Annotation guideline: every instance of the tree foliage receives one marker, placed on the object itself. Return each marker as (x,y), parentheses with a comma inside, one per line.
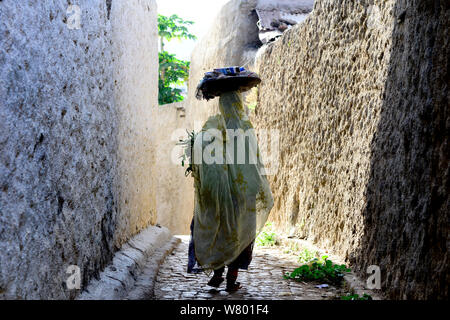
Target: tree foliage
(173,27)
(172,71)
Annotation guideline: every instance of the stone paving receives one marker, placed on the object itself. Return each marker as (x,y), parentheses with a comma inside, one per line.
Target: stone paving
(263,281)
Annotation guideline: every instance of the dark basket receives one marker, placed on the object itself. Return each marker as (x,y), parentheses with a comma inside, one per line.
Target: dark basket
(213,86)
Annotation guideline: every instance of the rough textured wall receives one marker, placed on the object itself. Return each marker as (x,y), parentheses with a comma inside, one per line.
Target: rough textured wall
(322,88)
(407,211)
(174,200)
(135,49)
(62,135)
(359,95)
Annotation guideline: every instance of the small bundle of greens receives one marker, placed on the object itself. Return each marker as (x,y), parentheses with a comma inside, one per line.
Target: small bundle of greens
(188,156)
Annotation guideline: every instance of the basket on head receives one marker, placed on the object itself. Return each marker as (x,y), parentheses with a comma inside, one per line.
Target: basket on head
(222,80)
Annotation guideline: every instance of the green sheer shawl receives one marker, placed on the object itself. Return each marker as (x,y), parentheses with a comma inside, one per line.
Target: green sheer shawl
(232,195)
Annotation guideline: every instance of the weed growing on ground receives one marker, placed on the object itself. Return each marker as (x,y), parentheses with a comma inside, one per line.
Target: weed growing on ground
(355,296)
(322,270)
(307,255)
(267,237)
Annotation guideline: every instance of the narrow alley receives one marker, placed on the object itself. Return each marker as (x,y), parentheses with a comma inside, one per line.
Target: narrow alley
(338,111)
(263,281)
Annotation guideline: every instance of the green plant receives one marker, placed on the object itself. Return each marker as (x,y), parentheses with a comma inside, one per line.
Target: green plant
(307,255)
(267,237)
(173,27)
(355,296)
(172,71)
(322,270)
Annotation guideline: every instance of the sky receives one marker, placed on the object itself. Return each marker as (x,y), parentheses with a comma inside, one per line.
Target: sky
(202,12)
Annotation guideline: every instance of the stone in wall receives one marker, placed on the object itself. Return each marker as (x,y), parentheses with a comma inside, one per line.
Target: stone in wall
(275,17)
(359,95)
(67,116)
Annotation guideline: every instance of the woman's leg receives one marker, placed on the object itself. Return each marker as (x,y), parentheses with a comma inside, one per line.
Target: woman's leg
(241,262)
(217,278)
(232,275)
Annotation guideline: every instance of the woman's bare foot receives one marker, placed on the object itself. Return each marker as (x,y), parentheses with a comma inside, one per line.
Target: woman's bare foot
(233,287)
(215,281)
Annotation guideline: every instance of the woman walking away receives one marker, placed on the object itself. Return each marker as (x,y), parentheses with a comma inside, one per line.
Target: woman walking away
(232,194)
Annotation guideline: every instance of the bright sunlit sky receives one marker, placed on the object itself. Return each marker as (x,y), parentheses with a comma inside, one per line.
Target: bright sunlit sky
(202,12)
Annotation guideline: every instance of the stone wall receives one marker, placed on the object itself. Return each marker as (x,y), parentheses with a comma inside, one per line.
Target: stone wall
(359,92)
(75,161)
(406,214)
(135,49)
(174,191)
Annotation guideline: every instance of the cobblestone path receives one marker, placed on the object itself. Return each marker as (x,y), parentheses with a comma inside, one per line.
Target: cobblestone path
(263,280)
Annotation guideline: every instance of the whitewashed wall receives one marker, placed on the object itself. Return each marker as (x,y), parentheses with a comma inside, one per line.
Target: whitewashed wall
(75,160)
